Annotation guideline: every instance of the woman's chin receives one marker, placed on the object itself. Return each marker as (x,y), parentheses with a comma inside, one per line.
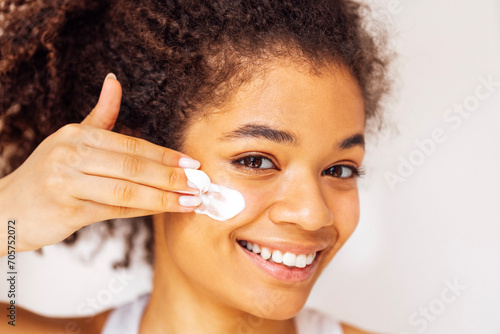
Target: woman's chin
(280,308)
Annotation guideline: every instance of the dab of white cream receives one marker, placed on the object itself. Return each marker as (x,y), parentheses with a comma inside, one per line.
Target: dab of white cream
(217,202)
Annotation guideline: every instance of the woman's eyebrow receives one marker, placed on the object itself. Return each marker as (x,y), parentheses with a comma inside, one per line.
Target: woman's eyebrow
(355,140)
(262,131)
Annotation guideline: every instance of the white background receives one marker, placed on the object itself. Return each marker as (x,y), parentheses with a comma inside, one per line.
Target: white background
(439,226)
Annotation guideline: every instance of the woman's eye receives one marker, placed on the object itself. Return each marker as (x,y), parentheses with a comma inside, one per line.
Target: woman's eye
(253,162)
(260,163)
(343,171)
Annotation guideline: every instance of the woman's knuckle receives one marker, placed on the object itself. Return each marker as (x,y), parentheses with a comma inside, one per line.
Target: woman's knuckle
(66,154)
(70,130)
(132,166)
(123,211)
(163,156)
(123,192)
(131,145)
(164,199)
(173,178)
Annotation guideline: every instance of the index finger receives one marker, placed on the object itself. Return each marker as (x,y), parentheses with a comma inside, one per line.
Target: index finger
(115,142)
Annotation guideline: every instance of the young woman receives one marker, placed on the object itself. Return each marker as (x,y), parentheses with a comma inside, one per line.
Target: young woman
(270,99)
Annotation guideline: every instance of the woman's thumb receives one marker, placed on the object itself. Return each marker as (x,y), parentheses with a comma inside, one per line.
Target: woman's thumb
(106,111)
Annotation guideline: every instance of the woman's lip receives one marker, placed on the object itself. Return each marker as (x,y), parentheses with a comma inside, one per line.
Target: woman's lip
(287,247)
(280,271)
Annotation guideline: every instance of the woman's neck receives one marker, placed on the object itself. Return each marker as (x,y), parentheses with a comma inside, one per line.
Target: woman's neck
(176,313)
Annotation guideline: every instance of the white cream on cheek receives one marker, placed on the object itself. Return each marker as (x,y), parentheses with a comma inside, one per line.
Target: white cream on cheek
(218,202)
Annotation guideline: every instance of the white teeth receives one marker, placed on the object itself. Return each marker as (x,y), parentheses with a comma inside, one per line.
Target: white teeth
(301,261)
(289,259)
(277,257)
(265,253)
(310,258)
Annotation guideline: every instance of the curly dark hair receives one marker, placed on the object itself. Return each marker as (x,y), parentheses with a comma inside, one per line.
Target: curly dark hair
(173,58)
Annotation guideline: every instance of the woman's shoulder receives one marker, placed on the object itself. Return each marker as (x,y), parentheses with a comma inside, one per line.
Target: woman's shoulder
(348,329)
(311,320)
(26,321)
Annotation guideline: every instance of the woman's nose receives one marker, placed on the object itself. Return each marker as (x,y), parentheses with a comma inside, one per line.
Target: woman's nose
(300,201)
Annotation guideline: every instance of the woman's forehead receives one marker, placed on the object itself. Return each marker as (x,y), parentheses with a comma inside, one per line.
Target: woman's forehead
(293,100)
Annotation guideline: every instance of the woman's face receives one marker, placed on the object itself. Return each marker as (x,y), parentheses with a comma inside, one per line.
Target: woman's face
(289,144)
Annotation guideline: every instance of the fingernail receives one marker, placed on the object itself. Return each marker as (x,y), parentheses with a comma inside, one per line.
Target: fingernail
(190,200)
(110,75)
(189,163)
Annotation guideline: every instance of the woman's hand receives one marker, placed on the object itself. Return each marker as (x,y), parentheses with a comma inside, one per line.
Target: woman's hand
(84,173)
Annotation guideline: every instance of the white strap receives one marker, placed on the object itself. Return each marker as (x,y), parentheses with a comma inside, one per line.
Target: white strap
(311,321)
(127,318)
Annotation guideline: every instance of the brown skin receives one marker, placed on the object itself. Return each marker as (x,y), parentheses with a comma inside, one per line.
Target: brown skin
(197,260)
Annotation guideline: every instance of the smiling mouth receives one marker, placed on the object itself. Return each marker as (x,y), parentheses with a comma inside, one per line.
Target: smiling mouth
(287,259)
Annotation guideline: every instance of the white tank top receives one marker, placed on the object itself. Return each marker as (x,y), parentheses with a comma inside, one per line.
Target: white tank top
(127,318)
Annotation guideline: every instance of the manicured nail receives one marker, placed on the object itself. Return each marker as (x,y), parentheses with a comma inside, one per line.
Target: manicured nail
(190,200)
(110,75)
(189,163)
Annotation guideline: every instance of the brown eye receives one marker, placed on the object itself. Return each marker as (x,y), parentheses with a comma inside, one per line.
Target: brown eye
(254,162)
(342,171)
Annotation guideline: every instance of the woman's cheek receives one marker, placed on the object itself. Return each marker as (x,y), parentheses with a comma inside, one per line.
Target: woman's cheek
(345,208)
(257,200)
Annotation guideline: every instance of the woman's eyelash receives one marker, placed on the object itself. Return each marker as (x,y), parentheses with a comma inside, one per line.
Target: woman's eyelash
(256,159)
(251,159)
(356,171)
(360,171)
